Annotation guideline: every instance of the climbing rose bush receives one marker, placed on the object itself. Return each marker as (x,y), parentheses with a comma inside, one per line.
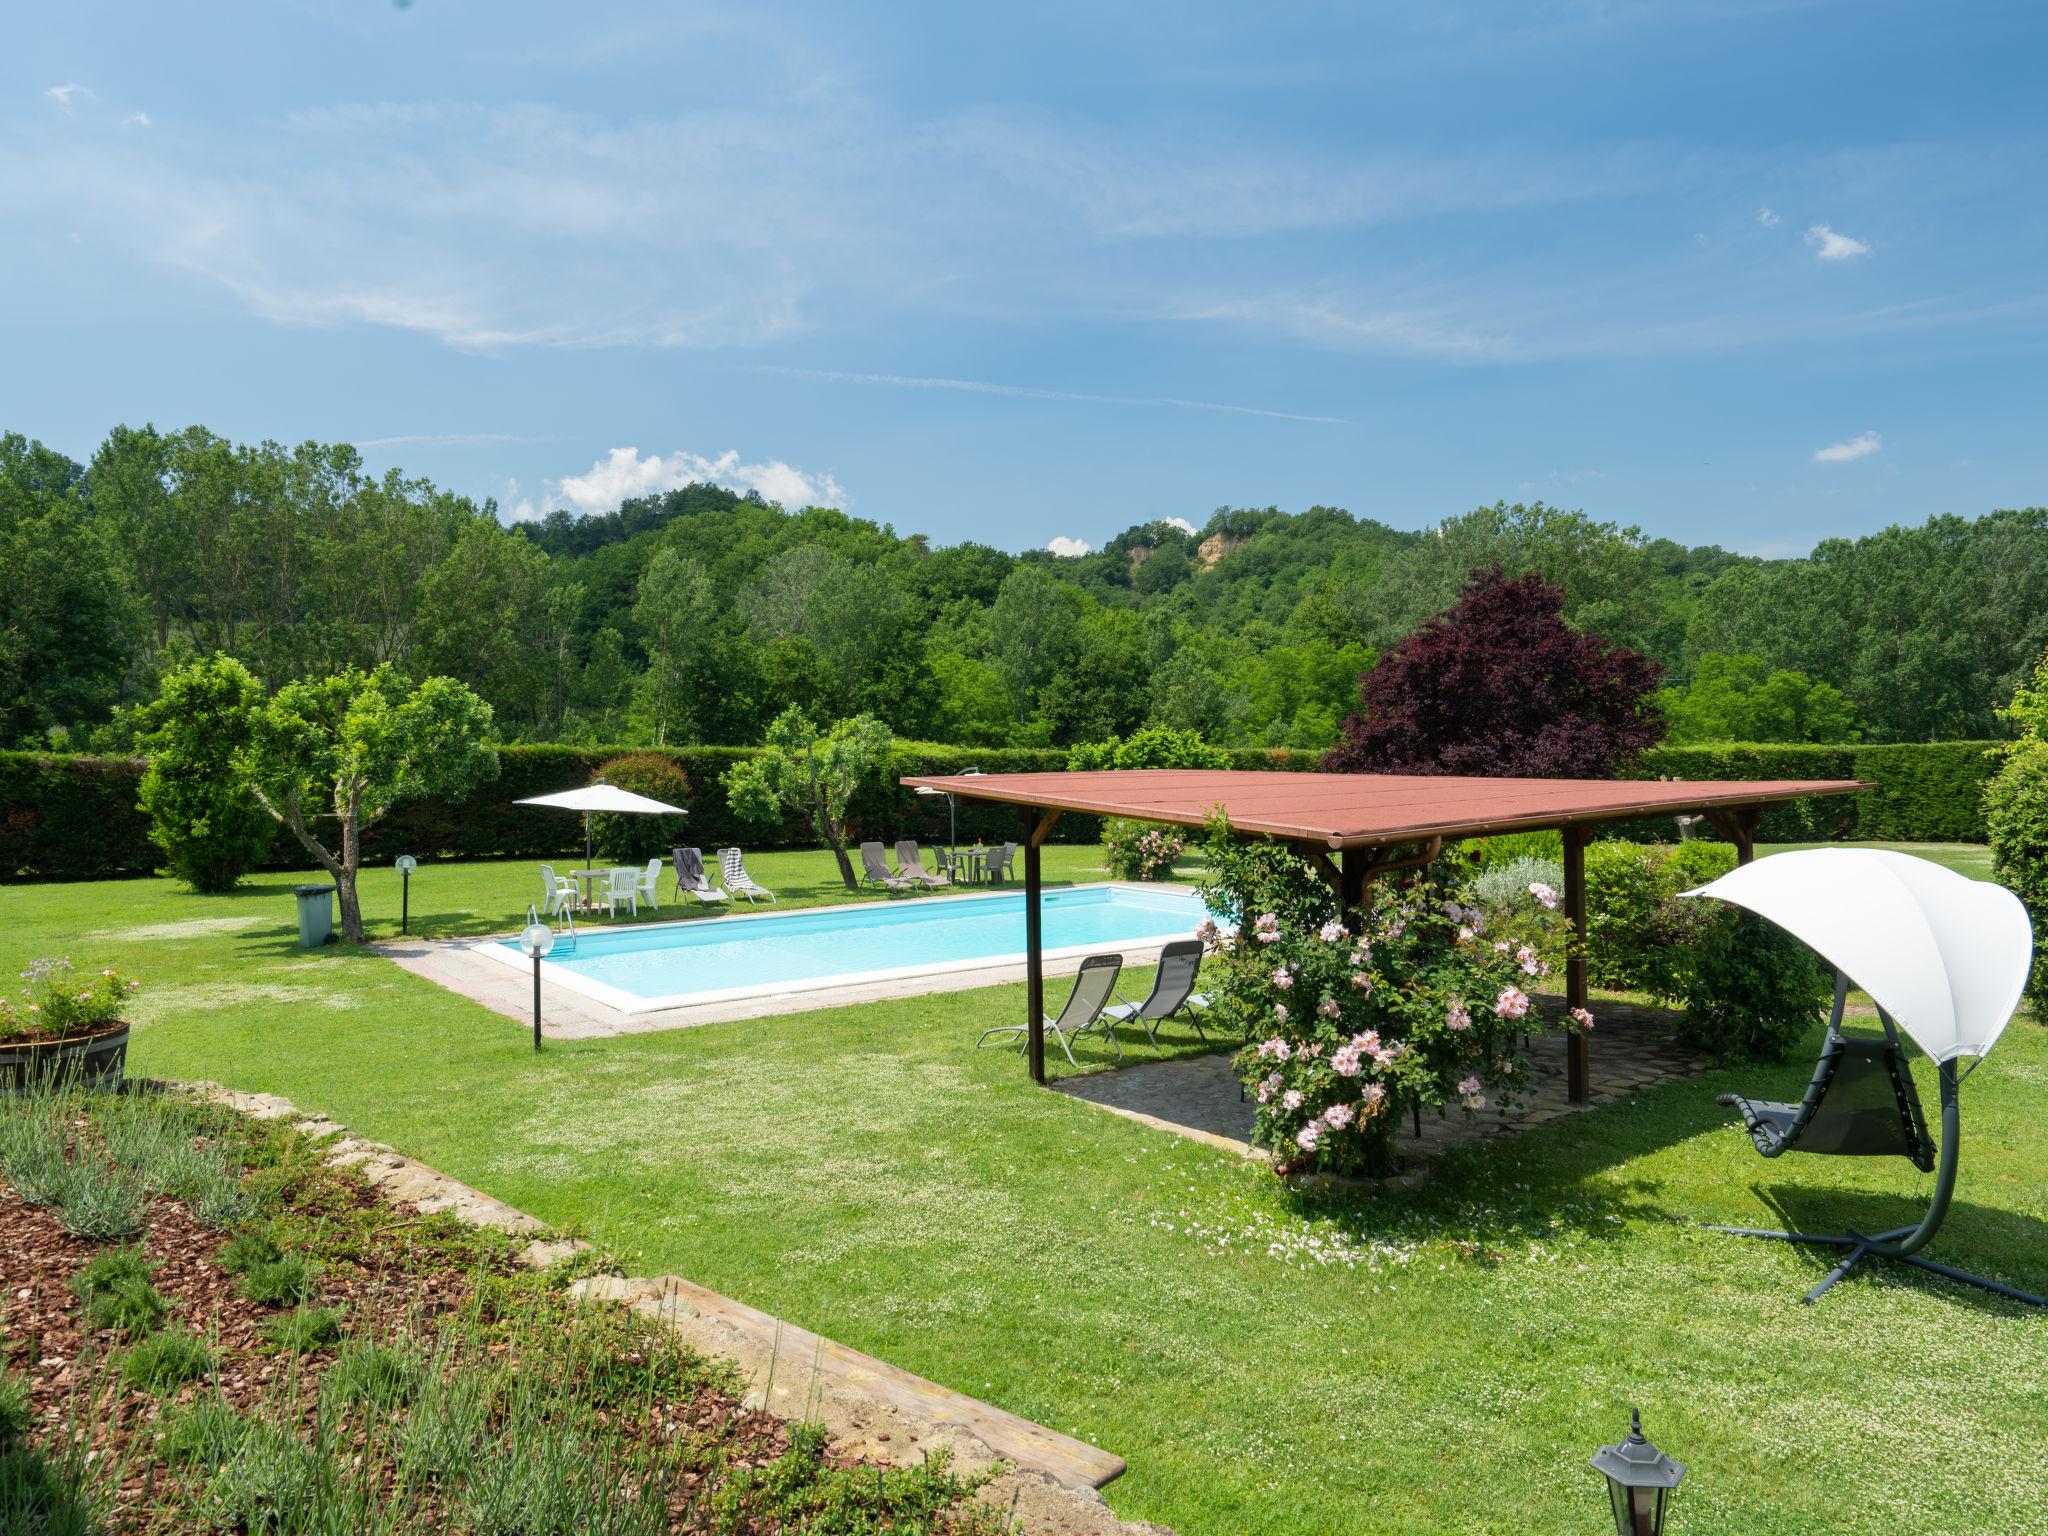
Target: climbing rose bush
(1138,850)
(1347,1028)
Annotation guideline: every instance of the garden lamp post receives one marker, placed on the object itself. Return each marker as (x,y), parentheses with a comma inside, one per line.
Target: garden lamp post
(1639,1480)
(536,939)
(406,865)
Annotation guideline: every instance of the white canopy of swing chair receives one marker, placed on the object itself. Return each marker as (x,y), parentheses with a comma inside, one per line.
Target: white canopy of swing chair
(1946,956)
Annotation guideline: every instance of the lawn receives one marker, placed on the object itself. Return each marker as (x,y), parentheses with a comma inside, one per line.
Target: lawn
(1441,1362)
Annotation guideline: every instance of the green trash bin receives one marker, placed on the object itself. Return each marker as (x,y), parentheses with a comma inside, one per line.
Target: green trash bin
(316,914)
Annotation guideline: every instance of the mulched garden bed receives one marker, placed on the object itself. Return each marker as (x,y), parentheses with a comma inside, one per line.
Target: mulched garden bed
(633,1414)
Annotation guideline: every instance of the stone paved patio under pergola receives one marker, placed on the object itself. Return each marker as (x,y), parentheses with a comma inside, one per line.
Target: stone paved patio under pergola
(1199,1096)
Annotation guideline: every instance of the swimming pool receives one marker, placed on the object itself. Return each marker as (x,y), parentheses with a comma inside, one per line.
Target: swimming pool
(667,965)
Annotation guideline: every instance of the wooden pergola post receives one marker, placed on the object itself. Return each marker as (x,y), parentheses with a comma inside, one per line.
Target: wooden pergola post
(1578,1048)
(1038,826)
(1738,824)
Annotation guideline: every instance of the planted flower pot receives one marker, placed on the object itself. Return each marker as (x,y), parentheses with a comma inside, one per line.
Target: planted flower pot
(94,1059)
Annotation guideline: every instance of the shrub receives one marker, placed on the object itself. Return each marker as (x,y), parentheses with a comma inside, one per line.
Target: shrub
(1153,746)
(1418,1007)
(1504,887)
(17,1410)
(204,1434)
(166,1360)
(303,1329)
(280,1282)
(100,1202)
(251,1246)
(117,1293)
(196,791)
(1626,946)
(801,1490)
(371,1374)
(273,1482)
(1751,991)
(2016,809)
(636,839)
(1141,850)
(32,1150)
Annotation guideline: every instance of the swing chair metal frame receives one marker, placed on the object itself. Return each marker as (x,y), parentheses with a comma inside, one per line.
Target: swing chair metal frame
(1978,936)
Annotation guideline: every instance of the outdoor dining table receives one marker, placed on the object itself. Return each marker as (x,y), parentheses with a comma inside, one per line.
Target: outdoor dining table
(971,862)
(590,881)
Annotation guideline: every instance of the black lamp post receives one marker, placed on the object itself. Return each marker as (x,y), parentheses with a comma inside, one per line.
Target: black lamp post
(1639,1481)
(406,865)
(536,939)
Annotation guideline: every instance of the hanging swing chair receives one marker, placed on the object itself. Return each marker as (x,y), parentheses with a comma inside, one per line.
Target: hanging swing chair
(1945,959)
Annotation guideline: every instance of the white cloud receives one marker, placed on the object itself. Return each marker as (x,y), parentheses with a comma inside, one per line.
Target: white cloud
(135,120)
(1857,447)
(623,474)
(63,94)
(1069,549)
(1179,522)
(1830,246)
(1768,219)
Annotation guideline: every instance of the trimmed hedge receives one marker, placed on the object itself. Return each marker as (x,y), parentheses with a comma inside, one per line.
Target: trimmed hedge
(1924,792)
(75,818)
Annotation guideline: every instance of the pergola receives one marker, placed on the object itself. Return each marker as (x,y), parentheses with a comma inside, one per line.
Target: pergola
(1354,826)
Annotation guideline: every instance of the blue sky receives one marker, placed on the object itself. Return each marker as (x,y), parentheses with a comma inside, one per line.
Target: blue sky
(1738,272)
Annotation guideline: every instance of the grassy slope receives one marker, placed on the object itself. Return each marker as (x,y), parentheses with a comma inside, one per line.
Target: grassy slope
(864,1172)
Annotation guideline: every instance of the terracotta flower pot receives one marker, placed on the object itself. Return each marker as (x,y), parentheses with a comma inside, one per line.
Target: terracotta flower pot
(94,1060)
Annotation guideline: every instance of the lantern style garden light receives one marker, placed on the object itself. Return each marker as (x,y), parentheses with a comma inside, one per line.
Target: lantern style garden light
(406,865)
(1639,1480)
(536,939)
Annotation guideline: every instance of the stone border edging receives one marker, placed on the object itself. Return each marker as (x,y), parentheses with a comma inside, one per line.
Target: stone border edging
(866,1406)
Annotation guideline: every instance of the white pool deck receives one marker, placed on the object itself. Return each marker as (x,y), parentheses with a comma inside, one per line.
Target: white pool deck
(575,1008)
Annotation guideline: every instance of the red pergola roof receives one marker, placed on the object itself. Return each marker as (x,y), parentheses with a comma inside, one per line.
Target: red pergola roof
(1346,810)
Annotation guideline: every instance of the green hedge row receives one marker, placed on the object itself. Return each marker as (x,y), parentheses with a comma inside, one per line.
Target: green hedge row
(74,818)
(1923,792)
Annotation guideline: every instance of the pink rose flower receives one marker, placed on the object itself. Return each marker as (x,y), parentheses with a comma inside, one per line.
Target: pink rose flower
(1283,978)
(1543,894)
(1329,1008)
(1280,1013)
(1583,1017)
(1456,1016)
(1332,932)
(1512,1003)
(1291,1099)
(1307,1137)
(1337,1116)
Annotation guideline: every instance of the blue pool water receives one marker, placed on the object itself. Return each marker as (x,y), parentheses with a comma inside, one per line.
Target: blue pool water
(805,947)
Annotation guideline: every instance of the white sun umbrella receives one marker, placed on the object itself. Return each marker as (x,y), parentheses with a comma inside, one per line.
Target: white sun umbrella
(601,796)
(1946,956)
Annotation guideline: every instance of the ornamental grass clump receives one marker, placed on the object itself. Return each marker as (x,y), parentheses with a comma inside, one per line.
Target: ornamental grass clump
(1417,1002)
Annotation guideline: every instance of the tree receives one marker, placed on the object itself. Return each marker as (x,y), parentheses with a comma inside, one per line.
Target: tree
(1737,698)
(672,615)
(64,616)
(354,744)
(196,790)
(799,770)
(1500,684)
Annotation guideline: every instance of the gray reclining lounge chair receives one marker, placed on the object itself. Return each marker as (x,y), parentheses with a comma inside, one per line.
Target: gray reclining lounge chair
(1083,1010)
(733,867)
(691,879)
(1173,991)
(911,867)
(874,869)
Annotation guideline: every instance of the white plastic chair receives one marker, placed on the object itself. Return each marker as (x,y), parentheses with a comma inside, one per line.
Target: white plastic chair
(621,885)
(561,892)
(645,882)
